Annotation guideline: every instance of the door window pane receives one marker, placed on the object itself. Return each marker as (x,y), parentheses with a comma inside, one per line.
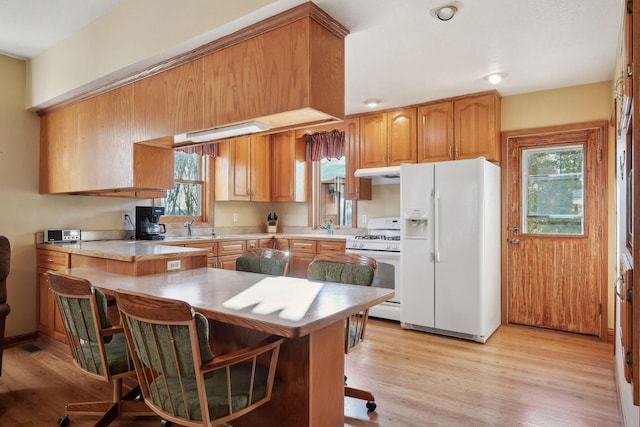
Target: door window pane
(553,191)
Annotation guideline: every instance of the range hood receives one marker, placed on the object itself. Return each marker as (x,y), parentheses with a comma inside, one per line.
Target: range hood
(385,172)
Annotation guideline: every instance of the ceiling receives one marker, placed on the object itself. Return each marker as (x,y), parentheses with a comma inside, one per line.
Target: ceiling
(397,52)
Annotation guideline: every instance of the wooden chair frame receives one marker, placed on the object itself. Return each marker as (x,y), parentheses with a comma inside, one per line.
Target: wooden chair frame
(161,312)
(356,322)
(74,290)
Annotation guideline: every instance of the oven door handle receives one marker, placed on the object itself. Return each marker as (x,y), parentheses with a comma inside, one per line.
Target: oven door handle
(436,226)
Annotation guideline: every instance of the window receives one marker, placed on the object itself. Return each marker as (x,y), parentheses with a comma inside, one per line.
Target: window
(553,190)
(333,207)
(186,199)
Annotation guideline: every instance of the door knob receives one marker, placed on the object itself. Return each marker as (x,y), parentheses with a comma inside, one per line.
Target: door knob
(515,240)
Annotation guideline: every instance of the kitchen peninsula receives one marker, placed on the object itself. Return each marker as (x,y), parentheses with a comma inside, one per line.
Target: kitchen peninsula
(310,369)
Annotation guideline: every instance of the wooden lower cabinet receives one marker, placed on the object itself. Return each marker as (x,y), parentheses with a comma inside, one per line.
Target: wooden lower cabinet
(49,320)
(302,253)
(212,256)
(228,252)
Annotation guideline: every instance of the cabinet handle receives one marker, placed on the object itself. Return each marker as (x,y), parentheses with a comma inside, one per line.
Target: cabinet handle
(456,152)
(450,152)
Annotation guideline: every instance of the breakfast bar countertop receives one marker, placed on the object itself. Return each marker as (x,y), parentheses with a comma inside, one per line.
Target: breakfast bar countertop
(123,250)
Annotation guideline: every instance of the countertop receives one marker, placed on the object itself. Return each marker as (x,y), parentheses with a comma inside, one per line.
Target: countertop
(123,250)
(142,250)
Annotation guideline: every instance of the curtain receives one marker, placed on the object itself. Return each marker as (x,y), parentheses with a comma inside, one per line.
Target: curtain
(210,150)
(325,145)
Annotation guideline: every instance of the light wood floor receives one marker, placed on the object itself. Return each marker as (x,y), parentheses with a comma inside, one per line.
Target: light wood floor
(521,376)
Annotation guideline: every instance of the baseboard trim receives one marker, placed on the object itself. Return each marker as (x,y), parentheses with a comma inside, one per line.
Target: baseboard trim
(20,339)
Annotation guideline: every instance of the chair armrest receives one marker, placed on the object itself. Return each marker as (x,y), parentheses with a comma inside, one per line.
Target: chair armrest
(243,354)
(112,330)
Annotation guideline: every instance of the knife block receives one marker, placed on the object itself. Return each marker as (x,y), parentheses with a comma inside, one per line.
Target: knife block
(272,227)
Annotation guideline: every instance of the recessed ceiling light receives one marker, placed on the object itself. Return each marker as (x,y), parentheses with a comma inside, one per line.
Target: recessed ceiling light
(495,78)
(371,103)
(446,12)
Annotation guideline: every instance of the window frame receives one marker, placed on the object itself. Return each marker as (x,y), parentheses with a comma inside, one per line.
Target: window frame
(315,205)
(205,182)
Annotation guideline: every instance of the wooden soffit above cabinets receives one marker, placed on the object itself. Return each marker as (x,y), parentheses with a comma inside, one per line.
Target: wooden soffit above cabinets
(320,98)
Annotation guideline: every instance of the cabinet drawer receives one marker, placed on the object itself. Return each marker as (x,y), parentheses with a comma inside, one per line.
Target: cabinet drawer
(231,247)
(302,245)
(282,244)
(324,247)
(211,247)
(53,260)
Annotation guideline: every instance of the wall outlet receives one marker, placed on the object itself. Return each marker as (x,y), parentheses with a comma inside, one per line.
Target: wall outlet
(235,217)
(173,265)
(363,219)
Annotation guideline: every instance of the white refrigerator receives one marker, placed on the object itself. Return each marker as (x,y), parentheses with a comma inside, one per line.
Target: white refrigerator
(450,248)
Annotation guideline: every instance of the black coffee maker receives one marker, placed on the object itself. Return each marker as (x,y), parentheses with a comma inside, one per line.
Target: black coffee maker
(148,225)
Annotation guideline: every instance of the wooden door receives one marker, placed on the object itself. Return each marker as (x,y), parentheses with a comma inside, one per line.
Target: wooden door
(289,180)
(556,214)
(435,132)
(477,127)
(59,151)
(373,141)
(401,138)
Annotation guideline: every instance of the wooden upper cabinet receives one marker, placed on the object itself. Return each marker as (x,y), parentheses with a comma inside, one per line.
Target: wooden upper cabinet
(104,132)
(356,188)
(291,74)
(388,138)
(435,132)
(59,151)
(477,127)
(168,103)
(243,169)
(290,172)
(261,168)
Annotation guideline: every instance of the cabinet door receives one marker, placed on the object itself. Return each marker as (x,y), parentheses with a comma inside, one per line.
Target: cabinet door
(282,244)
(356,188)
(373,141)
(240,171)
(104,133)
(228,262)
(435,132)
(59,151)
(289,179)
(477,127)
(261,168)
(299,263)
(45,304)
(401,140)
(324,246)
(168,103)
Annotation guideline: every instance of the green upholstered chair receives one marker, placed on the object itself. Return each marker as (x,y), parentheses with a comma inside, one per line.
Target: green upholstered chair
(181,380)
(356,270)
(98,348)
(264,260)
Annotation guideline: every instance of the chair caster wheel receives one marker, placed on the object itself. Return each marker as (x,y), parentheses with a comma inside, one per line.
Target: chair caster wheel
(166,423)
(63,421)
(371,406)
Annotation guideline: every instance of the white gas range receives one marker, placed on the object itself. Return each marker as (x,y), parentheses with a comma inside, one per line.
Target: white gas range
(382,242)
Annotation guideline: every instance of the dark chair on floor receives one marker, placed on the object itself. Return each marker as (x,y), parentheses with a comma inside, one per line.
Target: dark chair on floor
(264,260)
(356,270)
(181,380)
(5,264)
(98,349)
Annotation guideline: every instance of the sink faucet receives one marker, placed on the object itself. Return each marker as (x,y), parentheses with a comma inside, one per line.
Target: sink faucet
(189,225)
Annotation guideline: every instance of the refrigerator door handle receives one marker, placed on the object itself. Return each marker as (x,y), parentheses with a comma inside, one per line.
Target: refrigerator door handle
(436,226)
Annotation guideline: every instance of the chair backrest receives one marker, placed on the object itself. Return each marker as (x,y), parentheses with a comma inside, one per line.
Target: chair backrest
(343,268)
(264,260)
(96,347)
(179,377)
(346,268)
